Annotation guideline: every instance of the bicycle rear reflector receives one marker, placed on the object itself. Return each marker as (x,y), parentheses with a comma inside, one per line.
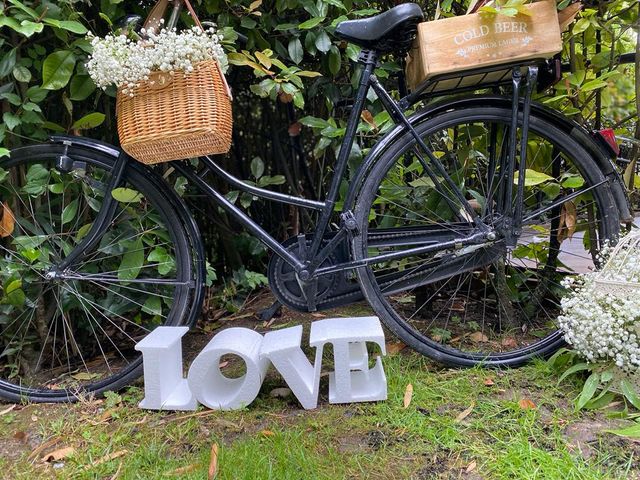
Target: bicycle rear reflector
(609,136)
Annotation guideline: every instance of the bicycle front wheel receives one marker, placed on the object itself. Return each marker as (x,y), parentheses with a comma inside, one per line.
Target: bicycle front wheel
(72,334)
(496,302)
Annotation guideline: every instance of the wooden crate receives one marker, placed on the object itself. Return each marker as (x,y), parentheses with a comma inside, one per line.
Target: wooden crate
(479,40)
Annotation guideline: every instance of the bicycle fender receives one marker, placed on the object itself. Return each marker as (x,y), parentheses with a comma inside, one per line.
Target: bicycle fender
(159,182)
(572,128)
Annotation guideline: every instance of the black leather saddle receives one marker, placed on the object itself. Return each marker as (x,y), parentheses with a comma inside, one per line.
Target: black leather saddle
(391,31)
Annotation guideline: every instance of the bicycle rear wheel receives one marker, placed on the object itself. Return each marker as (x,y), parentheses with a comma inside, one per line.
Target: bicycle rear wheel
(73,334)
(491,303)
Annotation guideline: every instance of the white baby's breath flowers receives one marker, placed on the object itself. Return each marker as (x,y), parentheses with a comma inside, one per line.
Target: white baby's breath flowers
(120,61)
(603,325)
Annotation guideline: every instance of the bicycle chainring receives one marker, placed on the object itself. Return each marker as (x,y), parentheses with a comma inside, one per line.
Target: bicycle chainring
(284,282)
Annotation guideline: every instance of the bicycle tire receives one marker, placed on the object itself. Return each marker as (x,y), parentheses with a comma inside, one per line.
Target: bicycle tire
(388,307)
(109,303)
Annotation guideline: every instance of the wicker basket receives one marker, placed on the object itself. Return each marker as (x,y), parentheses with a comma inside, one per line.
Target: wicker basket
(176,116)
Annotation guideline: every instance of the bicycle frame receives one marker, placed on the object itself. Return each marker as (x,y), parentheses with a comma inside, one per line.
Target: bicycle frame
(309,267)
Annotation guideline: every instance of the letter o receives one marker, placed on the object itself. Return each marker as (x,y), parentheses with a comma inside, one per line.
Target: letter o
(211,387)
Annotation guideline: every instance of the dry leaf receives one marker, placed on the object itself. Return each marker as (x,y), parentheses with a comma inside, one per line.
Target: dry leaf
(42,447)
(107,458)
(408,393)
(526,404)
(58,454)
(21,436)
(509,342)
(394,347)
(117,474)
(267,433)
(478,337)
(471,467)
(285,97)
(213,463)
(7,410)
(223,364)
(318,315)
(464,414)
(457,306)
(489,382)
(183,470)
(368,117)
(7,222)
(294,129)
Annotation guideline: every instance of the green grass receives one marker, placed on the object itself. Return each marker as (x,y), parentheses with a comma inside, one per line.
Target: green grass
(276,439)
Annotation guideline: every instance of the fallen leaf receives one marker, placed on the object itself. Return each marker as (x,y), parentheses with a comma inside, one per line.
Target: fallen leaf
(318,315)
(393,348)
(21,436)
(7,410)
(183,470)
(471,467)
(457,306)
(267,433)
(42,447)
(489,382)
(465,413)
(213,463)
(58,454)
(7,222)
(509,342)
(34,418)
(478,337)
(85,376)
(526,404)
(408,393)
(223,364)
(106,458)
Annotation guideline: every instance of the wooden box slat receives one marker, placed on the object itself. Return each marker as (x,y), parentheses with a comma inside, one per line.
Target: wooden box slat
(480,40)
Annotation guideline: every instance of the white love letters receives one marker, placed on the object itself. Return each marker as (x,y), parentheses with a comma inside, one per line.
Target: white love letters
(351,381)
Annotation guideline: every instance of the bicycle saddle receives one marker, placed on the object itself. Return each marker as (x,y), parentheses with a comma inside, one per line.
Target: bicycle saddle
(393,30)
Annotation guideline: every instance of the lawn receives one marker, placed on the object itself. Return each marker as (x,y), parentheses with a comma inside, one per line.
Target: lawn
(470,424)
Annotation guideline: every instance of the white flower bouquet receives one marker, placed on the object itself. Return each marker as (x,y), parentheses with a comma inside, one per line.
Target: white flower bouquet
(601,321)
(123,62)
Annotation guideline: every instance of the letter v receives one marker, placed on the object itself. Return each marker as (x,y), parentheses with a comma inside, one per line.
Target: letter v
(282,348)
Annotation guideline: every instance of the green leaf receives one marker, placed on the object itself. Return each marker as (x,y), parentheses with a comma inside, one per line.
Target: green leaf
(574,369)
(8,63)
(14,285)
(164,260)
(29,11)
(295,50)
(69,25)
(593,85)
(126,195)
(153,305)
(11,120)
(57,69)
(532,178)
(334,60)
(69,212)
(589,389)
(581,25)
(314,122)
(81,87)
(82,231)
(257,167)
(630,393)
(631,432)
(573,182)
(4,152)
(36,94)
(30,254)
(132,261)
(310,23)
(22,74)
(323,42)
(91,120)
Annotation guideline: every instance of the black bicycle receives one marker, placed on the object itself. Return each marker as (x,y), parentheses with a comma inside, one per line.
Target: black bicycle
(458,229)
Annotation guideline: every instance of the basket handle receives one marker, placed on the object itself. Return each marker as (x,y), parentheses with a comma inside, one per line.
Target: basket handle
(158,12)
